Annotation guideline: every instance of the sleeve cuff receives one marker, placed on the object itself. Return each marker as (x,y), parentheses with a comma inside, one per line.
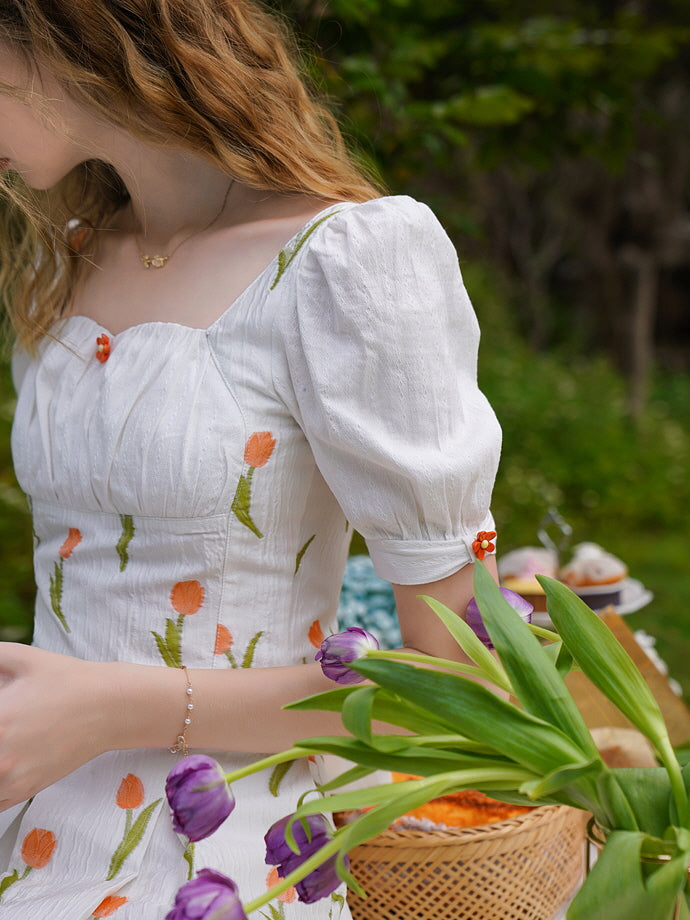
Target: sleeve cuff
(419,562)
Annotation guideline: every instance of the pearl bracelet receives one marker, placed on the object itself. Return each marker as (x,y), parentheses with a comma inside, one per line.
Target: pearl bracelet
(181,745)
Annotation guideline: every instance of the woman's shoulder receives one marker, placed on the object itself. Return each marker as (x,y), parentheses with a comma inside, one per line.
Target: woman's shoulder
(393,213)
(363,239)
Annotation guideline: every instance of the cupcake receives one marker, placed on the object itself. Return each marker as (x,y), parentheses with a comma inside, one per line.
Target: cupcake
(595,575)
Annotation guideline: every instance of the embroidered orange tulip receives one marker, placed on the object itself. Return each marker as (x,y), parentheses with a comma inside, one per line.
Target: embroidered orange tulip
(131,792)
(187,597)
(224,640)
(258,449)
(109,905)
(483,545)
(287,897)
(38,847)
(315,634)
(73,540)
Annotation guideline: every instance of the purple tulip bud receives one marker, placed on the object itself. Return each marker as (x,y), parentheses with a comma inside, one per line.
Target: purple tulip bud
(336,651)
(474,618)
(209,896)
(321,881)
(198,796)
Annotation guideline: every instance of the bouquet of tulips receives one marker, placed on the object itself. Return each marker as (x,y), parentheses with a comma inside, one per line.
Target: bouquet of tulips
(455,733)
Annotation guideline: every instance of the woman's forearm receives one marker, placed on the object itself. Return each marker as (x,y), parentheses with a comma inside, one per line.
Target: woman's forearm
(234,710)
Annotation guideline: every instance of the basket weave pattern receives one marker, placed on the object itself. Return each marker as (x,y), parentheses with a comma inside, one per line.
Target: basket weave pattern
(523,868)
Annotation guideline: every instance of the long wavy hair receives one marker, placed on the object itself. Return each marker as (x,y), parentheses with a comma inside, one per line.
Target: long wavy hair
(220,78)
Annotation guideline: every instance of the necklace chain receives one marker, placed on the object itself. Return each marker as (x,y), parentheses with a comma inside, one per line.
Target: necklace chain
(159,261)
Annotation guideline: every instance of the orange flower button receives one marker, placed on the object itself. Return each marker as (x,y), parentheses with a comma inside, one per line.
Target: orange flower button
(103,348)
(483,545)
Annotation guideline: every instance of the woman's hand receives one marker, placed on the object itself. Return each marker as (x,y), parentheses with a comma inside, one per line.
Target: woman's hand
(53,718)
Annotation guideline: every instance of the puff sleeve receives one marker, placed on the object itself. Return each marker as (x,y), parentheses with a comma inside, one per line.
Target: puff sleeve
(381,355)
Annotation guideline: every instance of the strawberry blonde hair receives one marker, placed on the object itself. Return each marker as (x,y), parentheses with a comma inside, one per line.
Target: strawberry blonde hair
(219,78)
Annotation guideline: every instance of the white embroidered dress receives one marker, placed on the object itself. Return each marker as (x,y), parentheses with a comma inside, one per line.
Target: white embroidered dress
(194,496)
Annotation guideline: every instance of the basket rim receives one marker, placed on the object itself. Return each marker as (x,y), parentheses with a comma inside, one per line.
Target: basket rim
(540,814)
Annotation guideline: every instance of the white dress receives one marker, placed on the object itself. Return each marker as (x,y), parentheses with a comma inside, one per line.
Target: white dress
(194,497)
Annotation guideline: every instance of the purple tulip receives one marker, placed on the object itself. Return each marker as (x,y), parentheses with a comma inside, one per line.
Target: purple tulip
(474,618)
(198,796)
(209,896)
(336,651)
(321,881)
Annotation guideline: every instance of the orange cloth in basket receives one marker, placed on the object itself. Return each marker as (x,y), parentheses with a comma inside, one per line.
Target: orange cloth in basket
(463,809)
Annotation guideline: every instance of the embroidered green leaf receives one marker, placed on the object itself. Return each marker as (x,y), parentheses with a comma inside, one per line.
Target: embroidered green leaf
(277,775)
(276,912)
(251,648)
(11,879)
(56,580)
(164,651)
(300,554)
(337,900)
(242,501)
(285,256)
(125,539)
(231,658)
(173,639)
(131,840)
(189,859)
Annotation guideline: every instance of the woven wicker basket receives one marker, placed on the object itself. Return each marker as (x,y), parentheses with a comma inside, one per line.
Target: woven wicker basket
(524,868)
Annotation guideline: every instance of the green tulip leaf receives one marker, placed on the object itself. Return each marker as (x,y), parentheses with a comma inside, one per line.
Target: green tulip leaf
(617,884)
(473,710)
(546,786)
(649,792)
(535,678)
(356,713)
(606,663)
(471,645)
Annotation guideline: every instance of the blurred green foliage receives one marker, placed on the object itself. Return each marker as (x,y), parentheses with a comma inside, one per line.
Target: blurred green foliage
(569,442)
(415,81)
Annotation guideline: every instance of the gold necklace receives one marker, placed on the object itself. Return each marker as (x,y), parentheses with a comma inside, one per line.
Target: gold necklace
(159,261)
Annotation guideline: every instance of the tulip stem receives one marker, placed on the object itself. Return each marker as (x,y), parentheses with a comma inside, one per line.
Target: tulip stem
(302,871)
(469,670)
(680,795)
(272,761)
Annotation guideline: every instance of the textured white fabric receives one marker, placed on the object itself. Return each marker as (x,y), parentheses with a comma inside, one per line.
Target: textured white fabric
(194,498)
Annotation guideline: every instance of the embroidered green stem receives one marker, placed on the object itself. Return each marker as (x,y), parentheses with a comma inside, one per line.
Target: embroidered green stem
(125,539)
(277,775)
(134,832)
(285,256)
(248,658)
(11,879)
(56,582)
(300,554)
(170,646)
(337,900)
(189,859)
(242,501)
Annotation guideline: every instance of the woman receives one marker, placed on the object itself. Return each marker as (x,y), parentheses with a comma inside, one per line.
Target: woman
(231,351)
